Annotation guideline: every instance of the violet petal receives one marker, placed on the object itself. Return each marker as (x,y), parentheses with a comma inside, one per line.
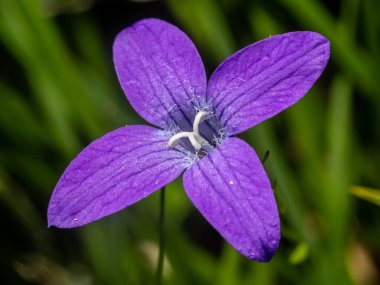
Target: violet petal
(112,173)
(265,78)
(160,72)
(230,188)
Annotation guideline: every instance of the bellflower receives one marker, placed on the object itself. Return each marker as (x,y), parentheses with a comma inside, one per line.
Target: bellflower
(163,77)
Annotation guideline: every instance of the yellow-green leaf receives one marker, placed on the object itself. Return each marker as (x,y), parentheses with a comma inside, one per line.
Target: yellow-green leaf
(369,194)
(299,254)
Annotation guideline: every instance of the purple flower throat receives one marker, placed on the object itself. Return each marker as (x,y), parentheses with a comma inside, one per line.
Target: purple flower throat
(206,133)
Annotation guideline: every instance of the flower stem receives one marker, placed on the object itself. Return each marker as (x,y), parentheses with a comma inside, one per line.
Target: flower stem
(160,261)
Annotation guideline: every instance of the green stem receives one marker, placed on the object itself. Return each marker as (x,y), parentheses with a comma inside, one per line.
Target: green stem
(160,261)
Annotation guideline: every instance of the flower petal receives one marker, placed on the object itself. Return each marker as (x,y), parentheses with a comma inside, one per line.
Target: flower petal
(160,72)
(230,188)
(112,173)
(265,78)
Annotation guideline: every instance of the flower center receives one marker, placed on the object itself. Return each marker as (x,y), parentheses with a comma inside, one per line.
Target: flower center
(195,138)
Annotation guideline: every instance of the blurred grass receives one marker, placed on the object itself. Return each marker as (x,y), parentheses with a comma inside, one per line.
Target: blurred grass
(64,94)
(369,194)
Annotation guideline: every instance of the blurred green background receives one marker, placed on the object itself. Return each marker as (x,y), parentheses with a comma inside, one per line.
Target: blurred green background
(59,91)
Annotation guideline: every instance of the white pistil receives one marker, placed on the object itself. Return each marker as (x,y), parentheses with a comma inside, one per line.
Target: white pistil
(189,135)
(198,118)
(195,138)
(194,142)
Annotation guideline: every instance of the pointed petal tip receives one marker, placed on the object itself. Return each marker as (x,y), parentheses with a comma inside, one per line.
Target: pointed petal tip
(264,250)
(56,222)
(266,253)
(265,258)
(324,42)
(51,224)
(52,221)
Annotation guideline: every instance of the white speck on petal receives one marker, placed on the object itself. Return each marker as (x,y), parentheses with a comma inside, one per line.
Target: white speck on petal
(231,182)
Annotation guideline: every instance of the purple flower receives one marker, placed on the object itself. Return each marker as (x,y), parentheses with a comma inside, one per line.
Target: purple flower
(164,79)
